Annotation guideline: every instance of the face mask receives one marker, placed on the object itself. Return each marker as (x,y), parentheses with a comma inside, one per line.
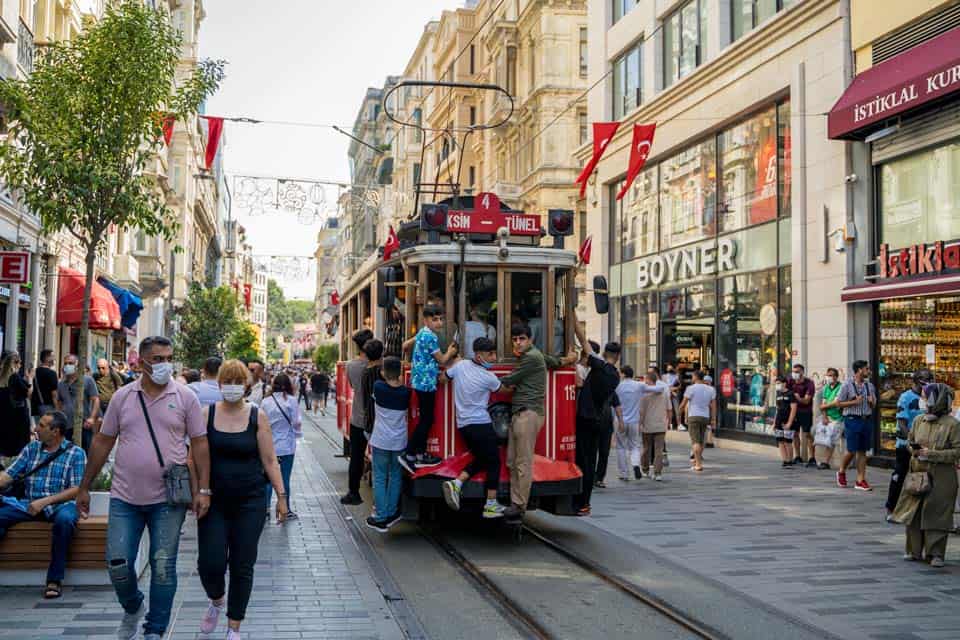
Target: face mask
(831,380)
(69,369)
(795,375)
(780,386)
(161,372)
(922,405)
(232,392)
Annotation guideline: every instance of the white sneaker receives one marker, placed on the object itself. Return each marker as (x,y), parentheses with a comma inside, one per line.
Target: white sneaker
(658,477)
(682,427)
(494,510)
(130,624)
(451,493)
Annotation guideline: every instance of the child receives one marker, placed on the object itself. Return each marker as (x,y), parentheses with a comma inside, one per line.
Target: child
(387,443)
(783,423)
(424,371)
(471,391)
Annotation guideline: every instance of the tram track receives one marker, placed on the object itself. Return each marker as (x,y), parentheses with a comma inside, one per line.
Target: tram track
(525,605)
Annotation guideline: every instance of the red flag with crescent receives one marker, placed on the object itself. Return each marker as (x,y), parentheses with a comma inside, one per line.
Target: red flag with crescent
(168,121)
(214,131)
(335,299)
(602,135)
(391,245)
(585,250)
(639,151)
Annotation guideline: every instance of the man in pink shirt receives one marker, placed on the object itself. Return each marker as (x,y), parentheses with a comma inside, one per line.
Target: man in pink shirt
(137,495)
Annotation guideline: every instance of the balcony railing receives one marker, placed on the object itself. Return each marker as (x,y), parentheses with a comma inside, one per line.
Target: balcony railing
(25,48)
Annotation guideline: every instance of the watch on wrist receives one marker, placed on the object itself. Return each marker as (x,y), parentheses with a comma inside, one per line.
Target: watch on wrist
(205,492)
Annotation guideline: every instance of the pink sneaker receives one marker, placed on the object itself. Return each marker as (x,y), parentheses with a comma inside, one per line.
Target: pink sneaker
(209,622)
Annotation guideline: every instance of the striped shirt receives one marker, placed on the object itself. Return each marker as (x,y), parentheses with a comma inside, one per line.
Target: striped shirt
(851,390)
(61,474)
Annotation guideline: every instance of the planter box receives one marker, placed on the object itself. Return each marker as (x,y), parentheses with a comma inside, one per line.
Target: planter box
(99,503)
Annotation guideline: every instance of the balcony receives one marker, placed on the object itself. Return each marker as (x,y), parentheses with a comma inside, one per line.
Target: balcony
(25,48)
(126,271)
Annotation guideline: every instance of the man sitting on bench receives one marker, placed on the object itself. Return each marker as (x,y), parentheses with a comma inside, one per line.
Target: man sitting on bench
(46,477)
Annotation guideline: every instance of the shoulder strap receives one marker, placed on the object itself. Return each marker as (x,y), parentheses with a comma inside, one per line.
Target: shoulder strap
(282,412)
(153,437)
(46,462)
(211,410)
(253,423)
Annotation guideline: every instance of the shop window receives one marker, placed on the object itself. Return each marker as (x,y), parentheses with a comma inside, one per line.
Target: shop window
(749,159)
(636,337)
(784,157)
(527,303)
(920,197)
(637,216)
(627,82)
(688,195)
(786,319)
(684,41)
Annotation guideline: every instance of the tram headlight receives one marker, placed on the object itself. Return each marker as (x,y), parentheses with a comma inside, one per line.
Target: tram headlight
(560,222)
(433,217)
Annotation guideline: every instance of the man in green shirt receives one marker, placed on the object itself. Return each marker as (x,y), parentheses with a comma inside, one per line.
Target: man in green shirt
(529,383)
(830,413)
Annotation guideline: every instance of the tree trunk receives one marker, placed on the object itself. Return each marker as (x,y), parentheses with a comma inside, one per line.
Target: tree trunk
(83,348)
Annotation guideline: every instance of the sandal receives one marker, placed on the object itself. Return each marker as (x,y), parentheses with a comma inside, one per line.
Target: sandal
(53,591)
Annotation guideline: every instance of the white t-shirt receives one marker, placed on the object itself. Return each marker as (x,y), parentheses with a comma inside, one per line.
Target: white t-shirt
(699,396)
(630,393)
(472,330)
(472,386)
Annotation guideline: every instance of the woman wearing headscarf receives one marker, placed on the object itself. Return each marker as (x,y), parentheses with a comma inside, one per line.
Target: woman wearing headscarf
(14,408)
(935,444)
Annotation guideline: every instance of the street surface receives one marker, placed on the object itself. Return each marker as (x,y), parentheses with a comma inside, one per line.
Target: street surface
(746,548)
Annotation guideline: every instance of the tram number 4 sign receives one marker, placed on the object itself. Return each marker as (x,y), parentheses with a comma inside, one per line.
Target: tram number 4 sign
(488,216)
(14,267)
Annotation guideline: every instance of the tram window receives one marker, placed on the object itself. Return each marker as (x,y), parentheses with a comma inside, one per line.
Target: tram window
(527,303)
(561,282)
(437,294)
(481,320)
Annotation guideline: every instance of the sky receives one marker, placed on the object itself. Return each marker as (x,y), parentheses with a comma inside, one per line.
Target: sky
(302,61)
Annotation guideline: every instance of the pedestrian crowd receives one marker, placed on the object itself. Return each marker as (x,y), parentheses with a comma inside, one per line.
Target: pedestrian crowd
(218,442)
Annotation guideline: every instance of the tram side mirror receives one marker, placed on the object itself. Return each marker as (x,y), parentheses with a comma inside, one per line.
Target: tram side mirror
(601,294)
(387,294)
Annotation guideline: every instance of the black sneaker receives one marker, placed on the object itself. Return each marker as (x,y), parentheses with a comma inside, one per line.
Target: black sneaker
(600,484)
(787,465)
(824,466)
(798,460)
(408,462)
(709,445)
(351,498)
(637,473)
(391,520)
(428,460)
(292,515)
(513,512)
(691,455)
(811,464)
(377,525)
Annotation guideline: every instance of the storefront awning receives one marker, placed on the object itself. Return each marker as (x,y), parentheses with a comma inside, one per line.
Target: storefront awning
(916,77)
(916,287)
(104,310)
(130,303)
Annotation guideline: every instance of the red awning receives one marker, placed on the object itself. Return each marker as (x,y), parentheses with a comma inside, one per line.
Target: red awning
(920,75)
(911,288)
(104,311)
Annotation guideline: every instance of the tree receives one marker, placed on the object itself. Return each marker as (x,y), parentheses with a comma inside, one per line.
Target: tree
(207,318)
(85,124)
(325,357)
(243,342)
(278,315)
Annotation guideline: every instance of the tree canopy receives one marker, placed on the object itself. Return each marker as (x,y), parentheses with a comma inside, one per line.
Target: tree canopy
(207,318)
(243,342)
(282,314)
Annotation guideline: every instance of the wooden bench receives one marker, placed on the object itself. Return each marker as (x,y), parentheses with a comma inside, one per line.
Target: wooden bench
(25,554)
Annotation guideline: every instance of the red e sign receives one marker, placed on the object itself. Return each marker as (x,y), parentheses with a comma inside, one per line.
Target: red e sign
(14,267)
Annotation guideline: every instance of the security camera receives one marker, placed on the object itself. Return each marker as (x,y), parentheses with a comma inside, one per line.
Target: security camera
(850,179)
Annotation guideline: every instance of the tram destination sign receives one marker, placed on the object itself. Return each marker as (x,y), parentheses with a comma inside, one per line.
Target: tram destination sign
(488,222)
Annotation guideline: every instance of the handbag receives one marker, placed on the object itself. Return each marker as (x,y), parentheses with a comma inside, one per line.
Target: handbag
(918,483)
(176,477)
(18,489)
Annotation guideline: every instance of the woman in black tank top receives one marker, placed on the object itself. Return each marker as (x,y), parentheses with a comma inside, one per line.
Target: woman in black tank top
(241,451)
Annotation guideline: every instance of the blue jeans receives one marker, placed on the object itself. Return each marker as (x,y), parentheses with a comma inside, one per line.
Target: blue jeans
(64,524)
(124,530)
(387,482)
(286,468)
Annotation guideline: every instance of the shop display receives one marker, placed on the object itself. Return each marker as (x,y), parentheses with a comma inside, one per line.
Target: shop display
(915,334)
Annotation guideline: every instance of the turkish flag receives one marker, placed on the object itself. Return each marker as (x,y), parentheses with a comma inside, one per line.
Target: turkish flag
(602,135)
(639,151)
(168,122)
(391,245)
(585,250)
(214,131)
(335,299)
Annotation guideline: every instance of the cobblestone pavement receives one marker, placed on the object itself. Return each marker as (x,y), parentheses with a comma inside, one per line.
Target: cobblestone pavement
(311,581)
(789,539)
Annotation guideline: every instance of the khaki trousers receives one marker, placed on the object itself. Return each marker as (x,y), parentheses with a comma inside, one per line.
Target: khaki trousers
(652,447)
(524,430)
(928,543)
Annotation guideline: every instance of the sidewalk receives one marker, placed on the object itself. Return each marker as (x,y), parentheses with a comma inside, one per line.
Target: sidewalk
(311,582)
(791,540)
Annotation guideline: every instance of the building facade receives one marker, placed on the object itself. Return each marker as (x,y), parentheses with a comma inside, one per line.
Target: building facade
(721,254)
(901,113)
(258,310)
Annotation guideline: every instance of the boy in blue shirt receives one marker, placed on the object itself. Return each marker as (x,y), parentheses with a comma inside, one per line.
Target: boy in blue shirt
(389,438)
(424,371)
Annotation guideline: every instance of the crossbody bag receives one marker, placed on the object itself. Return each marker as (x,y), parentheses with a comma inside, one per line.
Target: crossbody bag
(19,487)
(176,477)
